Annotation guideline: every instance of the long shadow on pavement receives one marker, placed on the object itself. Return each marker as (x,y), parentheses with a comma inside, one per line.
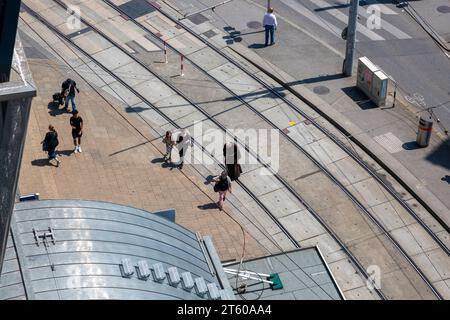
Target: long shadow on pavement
(135,109)
(209,206)
(359,98)
(42,163)
(54,109)
(66,153)
(257,46)
(317,79)
(441,155)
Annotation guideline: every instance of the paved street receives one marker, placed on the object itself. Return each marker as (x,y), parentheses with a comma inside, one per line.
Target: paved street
(401,48)
(117,165)
(309,34)
(353,205)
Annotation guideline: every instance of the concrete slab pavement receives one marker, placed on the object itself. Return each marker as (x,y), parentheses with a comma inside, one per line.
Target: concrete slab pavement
(369,122)
(106,171)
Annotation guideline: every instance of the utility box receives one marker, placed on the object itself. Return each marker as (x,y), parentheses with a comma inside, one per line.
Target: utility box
(372,81)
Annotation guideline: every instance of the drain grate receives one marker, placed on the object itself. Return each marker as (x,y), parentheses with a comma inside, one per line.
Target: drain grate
(321,90)
(197,18)
(209,34)
(136,8)
(254,25)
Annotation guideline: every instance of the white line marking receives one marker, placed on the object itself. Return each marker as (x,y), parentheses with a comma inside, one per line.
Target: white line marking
(386,25)
(293,4)
(384,9)
(342,17)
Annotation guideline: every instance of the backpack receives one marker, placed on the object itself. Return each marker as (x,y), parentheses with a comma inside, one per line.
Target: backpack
(222,184)
(51,141)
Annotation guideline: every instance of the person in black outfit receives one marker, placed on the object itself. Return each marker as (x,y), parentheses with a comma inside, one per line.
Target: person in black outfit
(222,186)
(50,143)
(68,89)
(76,122)
(232,155)
(183,142)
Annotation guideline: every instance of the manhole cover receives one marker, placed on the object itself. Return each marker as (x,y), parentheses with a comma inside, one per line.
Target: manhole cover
(209,34)
(443,9)
(254,25)
(321,90)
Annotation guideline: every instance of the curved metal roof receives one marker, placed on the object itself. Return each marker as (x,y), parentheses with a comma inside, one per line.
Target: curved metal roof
(72,249)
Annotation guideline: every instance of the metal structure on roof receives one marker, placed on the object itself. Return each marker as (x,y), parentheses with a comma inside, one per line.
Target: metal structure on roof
(16,94)
(303,275)
(73,249)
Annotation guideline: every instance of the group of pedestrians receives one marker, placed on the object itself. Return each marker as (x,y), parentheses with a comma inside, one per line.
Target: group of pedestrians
(231,154)
(182,141)
(51,141)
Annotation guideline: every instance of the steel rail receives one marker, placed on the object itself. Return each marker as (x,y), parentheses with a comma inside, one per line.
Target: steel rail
(325,131)
(267,166)
(353,259)
(317,163)
(169,120)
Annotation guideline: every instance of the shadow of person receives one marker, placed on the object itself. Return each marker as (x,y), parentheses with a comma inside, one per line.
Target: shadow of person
(209,206)
(158,160)
(42,163)
(64,152)
(257,46)
(54,109)
(169,165)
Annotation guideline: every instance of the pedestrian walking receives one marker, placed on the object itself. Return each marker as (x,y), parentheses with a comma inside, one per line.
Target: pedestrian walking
(232,155)
(76,122)
(183,142)
(270,24)
(169,146)
(50,143)
(222,186)
(68,89)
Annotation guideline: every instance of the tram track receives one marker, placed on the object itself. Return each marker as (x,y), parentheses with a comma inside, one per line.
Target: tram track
(352,153)
(285,183)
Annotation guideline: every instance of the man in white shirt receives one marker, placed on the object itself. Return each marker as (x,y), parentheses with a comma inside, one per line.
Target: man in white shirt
(270,24)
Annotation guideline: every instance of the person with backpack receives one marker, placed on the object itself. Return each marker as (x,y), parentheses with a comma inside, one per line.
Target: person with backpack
(50,143)
(222,186)
(232,155)
(68,89)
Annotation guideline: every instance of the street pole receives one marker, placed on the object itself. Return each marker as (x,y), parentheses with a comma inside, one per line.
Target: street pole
(268,4)
(351,38)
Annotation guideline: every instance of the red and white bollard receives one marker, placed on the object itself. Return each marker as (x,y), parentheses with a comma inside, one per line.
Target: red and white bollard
(165,53)
(182,66)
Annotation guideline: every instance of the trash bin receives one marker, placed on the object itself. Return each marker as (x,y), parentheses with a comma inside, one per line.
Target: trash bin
(424,133)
